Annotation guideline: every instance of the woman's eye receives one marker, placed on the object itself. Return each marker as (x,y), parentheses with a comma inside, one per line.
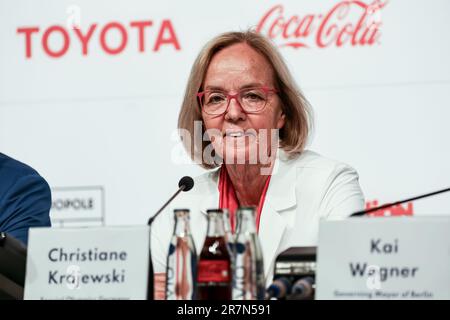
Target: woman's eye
(253,96)
(215,99)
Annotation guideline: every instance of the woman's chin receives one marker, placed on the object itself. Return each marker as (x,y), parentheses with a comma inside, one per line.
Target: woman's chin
(237,155)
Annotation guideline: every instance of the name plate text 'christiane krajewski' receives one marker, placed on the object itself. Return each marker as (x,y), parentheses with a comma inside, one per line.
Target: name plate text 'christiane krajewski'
(87,263)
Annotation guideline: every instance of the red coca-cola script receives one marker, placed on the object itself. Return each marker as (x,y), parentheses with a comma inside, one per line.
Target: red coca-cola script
(351,23)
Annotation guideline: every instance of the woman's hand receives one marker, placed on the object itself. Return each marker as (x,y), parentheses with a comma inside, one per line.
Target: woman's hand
(160,286)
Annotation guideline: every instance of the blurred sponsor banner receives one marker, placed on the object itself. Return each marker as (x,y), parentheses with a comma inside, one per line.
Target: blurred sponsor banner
(90,93)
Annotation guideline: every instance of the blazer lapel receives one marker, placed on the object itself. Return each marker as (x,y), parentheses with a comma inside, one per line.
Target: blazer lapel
(210,193)
(279,198)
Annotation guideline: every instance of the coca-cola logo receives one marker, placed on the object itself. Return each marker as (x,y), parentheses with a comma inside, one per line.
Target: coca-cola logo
(351,23)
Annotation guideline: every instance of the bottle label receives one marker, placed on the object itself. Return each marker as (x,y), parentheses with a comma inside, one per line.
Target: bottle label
(213,271)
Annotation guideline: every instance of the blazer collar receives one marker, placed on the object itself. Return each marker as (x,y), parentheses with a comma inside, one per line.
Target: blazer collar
(280,197)
(210,198)
(280,194)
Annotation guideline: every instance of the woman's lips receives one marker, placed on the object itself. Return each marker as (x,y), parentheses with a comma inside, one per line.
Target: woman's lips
(238,134)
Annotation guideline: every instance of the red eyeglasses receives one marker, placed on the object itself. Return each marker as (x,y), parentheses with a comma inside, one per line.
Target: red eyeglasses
(252,100)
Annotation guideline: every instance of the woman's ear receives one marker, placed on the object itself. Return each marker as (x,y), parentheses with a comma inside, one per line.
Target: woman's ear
(281,120)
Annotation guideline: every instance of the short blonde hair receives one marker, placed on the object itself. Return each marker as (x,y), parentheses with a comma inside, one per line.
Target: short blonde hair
(297,110)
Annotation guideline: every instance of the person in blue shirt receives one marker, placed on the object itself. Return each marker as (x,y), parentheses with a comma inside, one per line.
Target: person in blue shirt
(25,199)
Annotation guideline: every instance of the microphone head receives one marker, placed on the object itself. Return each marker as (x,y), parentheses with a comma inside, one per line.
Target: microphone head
(187,182)
(303,288)
(280,288)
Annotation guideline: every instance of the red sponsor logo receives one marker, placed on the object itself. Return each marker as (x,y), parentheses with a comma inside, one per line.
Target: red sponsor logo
(166,36)
(353,23)
(213,271)
(397,210)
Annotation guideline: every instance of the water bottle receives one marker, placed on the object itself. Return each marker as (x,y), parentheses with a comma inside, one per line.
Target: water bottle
(249,280)
(181,269)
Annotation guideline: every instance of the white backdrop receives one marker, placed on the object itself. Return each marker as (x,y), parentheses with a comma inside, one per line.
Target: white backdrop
(99,127)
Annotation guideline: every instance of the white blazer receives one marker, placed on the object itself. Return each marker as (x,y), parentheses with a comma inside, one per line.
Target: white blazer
(302,191)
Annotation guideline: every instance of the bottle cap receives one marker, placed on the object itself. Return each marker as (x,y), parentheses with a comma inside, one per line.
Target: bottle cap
(181,212)
(214,211)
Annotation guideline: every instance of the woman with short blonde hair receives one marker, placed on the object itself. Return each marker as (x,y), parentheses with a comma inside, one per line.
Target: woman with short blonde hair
(293,135)
(239,88)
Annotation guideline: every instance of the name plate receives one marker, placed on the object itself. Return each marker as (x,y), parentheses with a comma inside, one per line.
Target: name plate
(87,263)
(384,258)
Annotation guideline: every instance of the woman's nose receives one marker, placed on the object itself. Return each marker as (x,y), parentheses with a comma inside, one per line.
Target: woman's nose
(234,111)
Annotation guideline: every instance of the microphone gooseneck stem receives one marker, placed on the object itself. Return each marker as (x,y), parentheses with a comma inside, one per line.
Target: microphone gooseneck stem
(150,221)
(185,184)
(363,212)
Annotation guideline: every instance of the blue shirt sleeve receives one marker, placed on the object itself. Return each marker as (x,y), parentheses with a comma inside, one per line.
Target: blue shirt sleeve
(26,204)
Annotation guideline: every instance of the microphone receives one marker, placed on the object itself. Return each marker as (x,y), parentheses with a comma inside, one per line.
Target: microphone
(303,289)
(364,212)
(185,184)
(279,288)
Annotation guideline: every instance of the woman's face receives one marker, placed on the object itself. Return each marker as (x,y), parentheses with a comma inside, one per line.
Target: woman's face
(236,134)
